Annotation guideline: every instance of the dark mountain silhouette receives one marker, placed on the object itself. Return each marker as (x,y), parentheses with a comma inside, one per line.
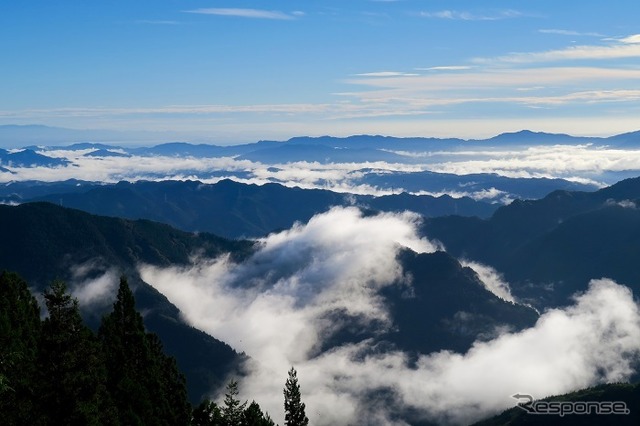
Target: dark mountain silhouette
(479,184)
(234,210)
(449,307)
(21,191)
(42,242)
(552,247)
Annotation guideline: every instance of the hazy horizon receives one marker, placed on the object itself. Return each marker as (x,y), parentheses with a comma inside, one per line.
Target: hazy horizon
(228,73)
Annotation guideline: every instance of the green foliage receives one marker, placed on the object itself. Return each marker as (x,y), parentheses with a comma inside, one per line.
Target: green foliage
(233,410)
(71,369)
(253,416)
(57,371)
(232,413)
(207,414)
(146,384)
(19,334)
(294,414)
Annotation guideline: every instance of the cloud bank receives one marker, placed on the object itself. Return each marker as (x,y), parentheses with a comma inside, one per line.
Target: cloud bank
(277,307)
(585,163)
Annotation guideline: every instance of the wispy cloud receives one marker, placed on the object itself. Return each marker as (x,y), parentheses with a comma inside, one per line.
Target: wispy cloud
(247,13)
(632,39)
(471,16)
(446,68)
(570,33)
(628,47)
(386,74)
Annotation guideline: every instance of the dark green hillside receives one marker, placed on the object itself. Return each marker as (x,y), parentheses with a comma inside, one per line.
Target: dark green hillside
(43,241)
(228,208)
(559,242)
(449,308)
(596,244)
(445,307)
(237,210)
(40,239)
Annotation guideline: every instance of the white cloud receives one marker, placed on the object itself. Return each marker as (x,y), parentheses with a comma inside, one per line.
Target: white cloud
(624,48)
(549,161)
(471,16)
(386,74)
(338,261)
(632,39)
(492,280)
(570,33)
(92,285)
(580,163)
(275,307)
(446,68)
(246,13)
(626,204)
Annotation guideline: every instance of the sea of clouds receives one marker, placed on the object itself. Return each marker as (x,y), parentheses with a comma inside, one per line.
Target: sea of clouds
(274,306)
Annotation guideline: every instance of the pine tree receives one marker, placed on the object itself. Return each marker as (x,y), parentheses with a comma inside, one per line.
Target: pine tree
(253,416)
(207,414)
(294,414)
(233,410)
(19,334)
(72,376)
(124,344)
(145,383)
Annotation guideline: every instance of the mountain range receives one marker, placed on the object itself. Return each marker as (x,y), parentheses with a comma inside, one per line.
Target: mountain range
(43,242)
(227,208)
(22,135)
(550,248)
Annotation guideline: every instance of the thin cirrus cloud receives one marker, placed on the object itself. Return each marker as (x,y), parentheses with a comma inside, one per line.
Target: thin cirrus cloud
(446,68)
(570,33)
(470,16)
(247,13)
(386,74)
(627,47)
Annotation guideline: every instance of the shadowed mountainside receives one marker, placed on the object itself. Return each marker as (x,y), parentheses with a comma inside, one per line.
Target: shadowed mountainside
(550,248)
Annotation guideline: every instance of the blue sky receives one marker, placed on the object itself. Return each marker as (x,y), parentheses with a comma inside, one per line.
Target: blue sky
(232,71)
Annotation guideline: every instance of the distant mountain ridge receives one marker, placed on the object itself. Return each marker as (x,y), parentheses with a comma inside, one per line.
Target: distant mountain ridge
(550,248)
(233,210)
(16,136)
